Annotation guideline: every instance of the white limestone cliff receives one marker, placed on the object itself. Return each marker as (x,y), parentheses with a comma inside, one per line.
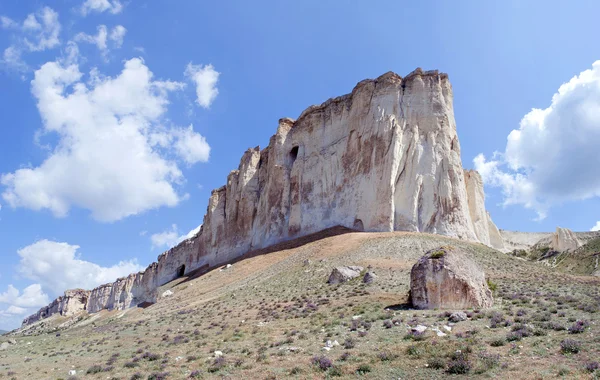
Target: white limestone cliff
(385,157)
(73,302)
(485,230)
(564,240)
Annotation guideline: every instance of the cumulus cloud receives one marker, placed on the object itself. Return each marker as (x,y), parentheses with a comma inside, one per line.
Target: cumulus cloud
(114,6)
(39,31)
(205,78)
(31,297)
(58,267)
(117,34)
(109,158)
(170,238)
(552,158)
(596,226)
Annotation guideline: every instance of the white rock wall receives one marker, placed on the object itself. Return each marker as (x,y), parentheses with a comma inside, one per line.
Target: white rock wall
(385,157)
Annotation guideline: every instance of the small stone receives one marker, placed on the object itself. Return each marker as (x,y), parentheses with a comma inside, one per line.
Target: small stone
(369,278)
(419,328)
(72,372)
(447,328)
(458,316)
(168,293)
(218,354)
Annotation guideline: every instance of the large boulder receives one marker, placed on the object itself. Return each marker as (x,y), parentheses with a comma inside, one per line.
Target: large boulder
(445,278)
(343,274)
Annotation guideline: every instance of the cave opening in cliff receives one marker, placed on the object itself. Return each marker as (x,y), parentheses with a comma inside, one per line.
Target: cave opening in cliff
(181,271)
(294,154)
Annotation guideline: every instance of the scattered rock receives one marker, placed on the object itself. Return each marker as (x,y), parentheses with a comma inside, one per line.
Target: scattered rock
(72,372)
(457,316)
(218,354)
(447,328)
(4,346)
(12,341)
(306,262)
(168,293)
(343,274)
(369,277)
(419,328)
(446,278)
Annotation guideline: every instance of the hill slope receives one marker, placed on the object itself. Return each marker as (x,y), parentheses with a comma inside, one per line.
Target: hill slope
(271,316)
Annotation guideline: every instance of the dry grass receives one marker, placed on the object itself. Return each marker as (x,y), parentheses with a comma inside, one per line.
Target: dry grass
(271,316)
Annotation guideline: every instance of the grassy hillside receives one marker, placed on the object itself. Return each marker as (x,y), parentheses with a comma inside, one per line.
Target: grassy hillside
(272,315)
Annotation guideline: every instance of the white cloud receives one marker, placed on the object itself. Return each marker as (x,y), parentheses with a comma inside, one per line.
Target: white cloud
(552,158)
(596,226)
(8,23)
(45,33)
(117,35)
(19,305)
(32,297)
(205,79)
(40,31)
(114,6)
(170,238)
(99,39)
(58,267)
(105,132)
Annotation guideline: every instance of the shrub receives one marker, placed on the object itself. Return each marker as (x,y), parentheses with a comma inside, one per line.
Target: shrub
(384,356)
(195,374)
(498,342)
(413,351)
(295,371)
(492,285)
(436,363)
(363,369)
(578,327)
(488,361)
(94,369)
(322,362)
(459,366)
(349,343)
(158,376)
(592,366)
(388,324)
(437,254)
(335,372)
(217,364)
(137,376)
(570,346)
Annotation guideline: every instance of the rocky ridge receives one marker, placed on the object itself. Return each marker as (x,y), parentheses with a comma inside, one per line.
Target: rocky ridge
(385,157)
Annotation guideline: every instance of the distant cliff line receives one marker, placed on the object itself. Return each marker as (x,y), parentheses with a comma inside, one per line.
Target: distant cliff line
(385,157)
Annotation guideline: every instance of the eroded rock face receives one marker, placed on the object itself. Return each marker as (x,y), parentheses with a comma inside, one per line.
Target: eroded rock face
(73,302)
(385,157)
(485,230)
(564,240)
(343,274)
(446,278)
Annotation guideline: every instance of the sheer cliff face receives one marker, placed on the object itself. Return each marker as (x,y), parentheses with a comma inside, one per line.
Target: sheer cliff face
(73,302)
(385,157)
(485,230)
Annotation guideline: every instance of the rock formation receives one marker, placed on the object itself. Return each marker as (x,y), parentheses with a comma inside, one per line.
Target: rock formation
(446,278)
(73,302)
(485,230)
(385,157)
(564,240)
(343,274)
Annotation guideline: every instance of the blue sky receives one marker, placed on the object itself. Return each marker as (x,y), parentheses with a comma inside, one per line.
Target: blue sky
(75,212)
